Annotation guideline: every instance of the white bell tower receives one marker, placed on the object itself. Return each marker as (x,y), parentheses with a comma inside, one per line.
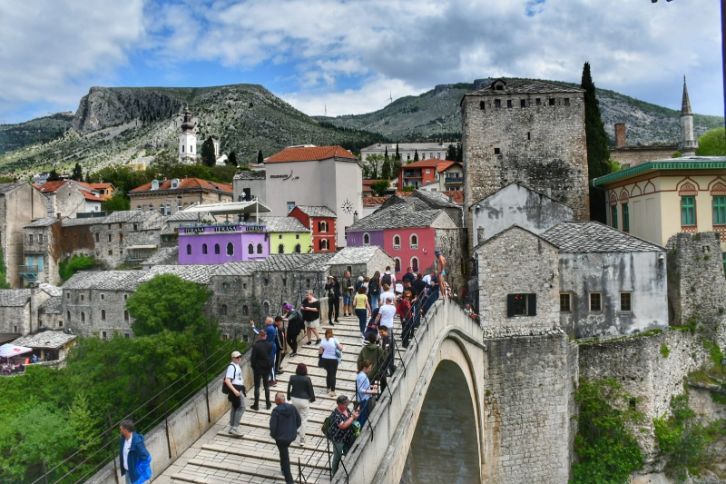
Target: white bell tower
(188,140)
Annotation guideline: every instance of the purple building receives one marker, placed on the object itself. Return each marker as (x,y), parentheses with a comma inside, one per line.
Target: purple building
(217,244)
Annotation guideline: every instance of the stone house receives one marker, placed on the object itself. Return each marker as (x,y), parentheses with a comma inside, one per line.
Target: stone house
(515,204)
(127,236)
(287,235)
(408,151)
(41,251)
(50,313)
(519,282)
(170,196)
(19,309)
(77,237)
(527,131)
(68,198)
(48,345)
(321,221)
(20,204)
(611,283)
(234,298)
(250,185)
(359,261)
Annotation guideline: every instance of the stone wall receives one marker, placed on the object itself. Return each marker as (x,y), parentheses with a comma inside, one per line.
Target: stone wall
(93,312)
(452,243)
(529,392)
(696,283)
(111,240)
(639,365)
(14,319)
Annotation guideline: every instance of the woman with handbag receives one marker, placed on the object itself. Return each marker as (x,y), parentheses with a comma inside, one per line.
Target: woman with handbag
(330,352)
(301,394)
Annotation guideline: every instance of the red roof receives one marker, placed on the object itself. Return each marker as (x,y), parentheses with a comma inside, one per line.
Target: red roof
(445,166)
(456,196)
(187,184)
(373,201)
(50,186)
(90,197)
(309,153)
(433,163)
(370,183)
(99,186)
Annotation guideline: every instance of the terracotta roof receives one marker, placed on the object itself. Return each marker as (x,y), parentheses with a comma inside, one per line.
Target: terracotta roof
(90,197)
(309,153)
(445,166)
(370,183)
(456,196)
(99,186)
(433,163)
(187,184)
(374,201)
(50,186)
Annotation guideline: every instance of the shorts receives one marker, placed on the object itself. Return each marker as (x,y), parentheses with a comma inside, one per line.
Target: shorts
(347,299)
(315,324)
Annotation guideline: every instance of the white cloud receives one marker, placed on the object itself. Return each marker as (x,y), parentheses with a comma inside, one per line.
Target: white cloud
(51,49)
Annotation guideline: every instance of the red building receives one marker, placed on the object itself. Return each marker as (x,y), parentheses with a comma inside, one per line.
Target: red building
(421,173)
(321,221)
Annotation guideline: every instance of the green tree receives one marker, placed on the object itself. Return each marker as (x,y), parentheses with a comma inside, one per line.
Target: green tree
(397,167)
(76,263)
(597,145)
(386,169)
(459,153)
(119,201)
(379,188)
(370,167)
(77,173)
(232,159)
(415,155)
(83,424)
(398,155)
(260,158)
(208,157)
(451,153)
(53,175)
(3,272)
(712,143)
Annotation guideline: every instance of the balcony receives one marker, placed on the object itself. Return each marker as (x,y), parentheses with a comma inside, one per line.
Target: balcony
(454,180)
(30,273)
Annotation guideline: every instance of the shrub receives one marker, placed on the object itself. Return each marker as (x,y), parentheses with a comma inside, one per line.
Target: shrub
(664,350)
(68,267)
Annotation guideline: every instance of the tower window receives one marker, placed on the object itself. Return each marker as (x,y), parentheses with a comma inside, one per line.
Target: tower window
(566,101)
(552,101)
(595,302)
(481,105)
(497,103)
(509,103)
(529,136)
(521,305)
(565,302)
(538,101)
(522,103)
(497,151)
(626,302)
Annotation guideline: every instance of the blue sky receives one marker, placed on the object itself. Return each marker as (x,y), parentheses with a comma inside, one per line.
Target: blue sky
(347,56)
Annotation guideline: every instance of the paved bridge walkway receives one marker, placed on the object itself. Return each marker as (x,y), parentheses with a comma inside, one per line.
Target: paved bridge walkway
(219,457)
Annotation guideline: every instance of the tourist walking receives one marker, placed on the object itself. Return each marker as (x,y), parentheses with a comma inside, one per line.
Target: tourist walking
(261,365)
(341,430)
(387,292)
(311,315)
(364,390)
(374,290)
(362,307)
(374,353)
(332,289)
(295,325)
(281,344)
(387,313)
(388,345)
(388,277)
(235,393)
(135,459)
(271,332)
(284,422)
(329,356)
(347,290)
(301,394)
(441,266)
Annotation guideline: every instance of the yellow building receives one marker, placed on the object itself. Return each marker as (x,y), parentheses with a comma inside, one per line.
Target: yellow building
(661,198)
(287,235)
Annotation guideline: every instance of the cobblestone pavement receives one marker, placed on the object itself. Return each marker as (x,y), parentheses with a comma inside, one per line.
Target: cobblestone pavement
(218,457)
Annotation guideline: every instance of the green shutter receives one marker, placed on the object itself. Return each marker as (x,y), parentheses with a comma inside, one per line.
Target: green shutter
(626,218)
(719,210)
(688,210)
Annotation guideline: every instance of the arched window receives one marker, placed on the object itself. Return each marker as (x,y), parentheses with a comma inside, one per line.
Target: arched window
(230,248)
(323,226)
(245,310)
(281,249)
(396,242)
(103,315)
(414,264)
(266,308)
(259,248)
(216,249)
(398,264)
(189,249)
(413,241)
(68,316)
(204,249)
(223,310)
(250,249)
(366,239)
(297,248)
(323,244)
(83,317)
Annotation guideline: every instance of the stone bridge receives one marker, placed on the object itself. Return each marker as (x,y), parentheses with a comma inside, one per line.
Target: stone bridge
(520,395)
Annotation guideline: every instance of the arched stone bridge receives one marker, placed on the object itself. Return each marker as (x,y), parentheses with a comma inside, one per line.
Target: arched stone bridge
(520,402)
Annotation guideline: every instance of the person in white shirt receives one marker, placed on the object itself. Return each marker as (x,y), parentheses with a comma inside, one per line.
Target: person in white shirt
(387,292)
(386,314)
(235,386)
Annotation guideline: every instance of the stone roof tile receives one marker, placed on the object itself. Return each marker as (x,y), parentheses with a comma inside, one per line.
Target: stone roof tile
(104,280)
(316,211)
(14,297)
(45,339)
(283,224)
(581,237)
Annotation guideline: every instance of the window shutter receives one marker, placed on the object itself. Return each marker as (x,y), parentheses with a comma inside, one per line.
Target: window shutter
(531,304)
(510,305)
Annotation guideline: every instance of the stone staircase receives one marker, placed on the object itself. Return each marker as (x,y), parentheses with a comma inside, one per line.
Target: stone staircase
(218,457)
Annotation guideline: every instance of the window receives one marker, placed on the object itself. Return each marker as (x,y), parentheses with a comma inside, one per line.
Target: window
(216,249)
(522,103)
(98,237)
(497,103)
(245,310)
(281,249)
(250,249)
(266,308)
(521,305)
(626,218)
(290,206)
(68,316)
(103,315)
(189,249)
(223,310)
(396,242)
(529,136)
(324,244)
(204,249)
(83,317)
(366,239)
(552,101)
(723,259)
(595,302)
(230,248)
(398,264)
(413,242)
(481,105)
(60,324)
(103,335)
(30,238)
(259,248)
(414,264)
(688,210)
(565,302)
(614,215)
(626,302)
(110,236)
(719,210)
(323,226)
(126,315)
(497,151)
(297,248)
(538,101)
(509,103)
(566,101)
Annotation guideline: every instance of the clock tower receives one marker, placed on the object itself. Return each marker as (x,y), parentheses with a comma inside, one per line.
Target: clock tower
(188,140)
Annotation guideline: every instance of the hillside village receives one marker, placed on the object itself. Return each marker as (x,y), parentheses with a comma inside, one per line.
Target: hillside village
(511,216)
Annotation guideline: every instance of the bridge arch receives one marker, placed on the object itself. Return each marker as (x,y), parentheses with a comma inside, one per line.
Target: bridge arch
(446,335)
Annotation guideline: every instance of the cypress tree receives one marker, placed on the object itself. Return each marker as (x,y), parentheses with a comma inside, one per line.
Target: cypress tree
(208,152)
(597,146)
(415,155)
(451,153)
(398,155)
(260,158)
(232,159)
(77,173)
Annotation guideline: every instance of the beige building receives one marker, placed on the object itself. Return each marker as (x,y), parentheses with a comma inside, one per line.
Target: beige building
(658,199)
(171,196)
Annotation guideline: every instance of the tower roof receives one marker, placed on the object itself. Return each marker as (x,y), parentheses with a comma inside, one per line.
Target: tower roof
(685,102)
(187,123)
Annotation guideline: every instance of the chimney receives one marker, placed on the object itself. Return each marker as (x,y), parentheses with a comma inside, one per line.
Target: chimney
(619,135)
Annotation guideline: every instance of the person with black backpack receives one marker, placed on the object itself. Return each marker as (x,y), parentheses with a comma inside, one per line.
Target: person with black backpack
(235,391)
(261,367)
(295,325)
(340,430)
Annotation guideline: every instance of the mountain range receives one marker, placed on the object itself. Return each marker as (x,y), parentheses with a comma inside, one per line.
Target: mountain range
(115,125)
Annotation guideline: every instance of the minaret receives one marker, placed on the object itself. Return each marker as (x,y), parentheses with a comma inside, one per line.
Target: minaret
(688,143)
(188,140)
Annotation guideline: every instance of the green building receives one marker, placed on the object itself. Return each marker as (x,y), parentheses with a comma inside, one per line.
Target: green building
(287,235)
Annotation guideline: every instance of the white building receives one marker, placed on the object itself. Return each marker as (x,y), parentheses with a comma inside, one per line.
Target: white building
(188,140)
(426,151)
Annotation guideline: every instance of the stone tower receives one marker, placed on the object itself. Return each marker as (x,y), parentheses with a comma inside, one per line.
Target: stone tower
(526,131)
(688,142)
(188,140)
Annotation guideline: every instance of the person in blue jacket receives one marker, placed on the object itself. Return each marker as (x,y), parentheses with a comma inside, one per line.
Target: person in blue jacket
(135,459)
